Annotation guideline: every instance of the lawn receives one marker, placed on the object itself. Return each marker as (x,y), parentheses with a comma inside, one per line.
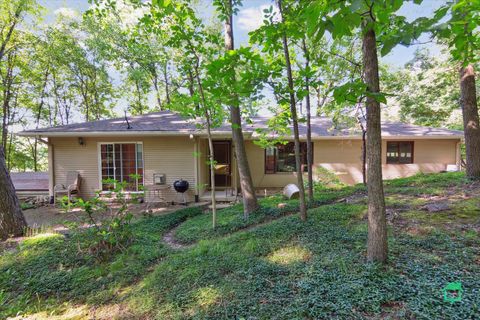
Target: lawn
(271,267)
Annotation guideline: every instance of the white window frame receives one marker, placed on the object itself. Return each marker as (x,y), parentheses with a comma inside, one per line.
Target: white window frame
(99,156)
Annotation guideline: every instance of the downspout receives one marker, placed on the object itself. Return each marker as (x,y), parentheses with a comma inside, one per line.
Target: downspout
(51,168)
(458,155)
(234,168)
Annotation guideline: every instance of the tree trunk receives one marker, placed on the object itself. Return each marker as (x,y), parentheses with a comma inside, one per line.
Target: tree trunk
(167,87)
(468,102)
(364,157)
(7,97)
(364,149)
(12,221)
(210,146)
(212,175)
(293,110)
(377,225)
(157,91)
(11,28)
(190,87)
(309,124)
(249,197)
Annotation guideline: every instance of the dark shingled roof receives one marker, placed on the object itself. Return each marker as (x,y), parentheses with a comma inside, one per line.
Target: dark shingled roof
(170,122)
(158,121)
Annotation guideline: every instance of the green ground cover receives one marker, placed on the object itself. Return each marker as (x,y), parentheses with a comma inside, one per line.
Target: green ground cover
(281,269)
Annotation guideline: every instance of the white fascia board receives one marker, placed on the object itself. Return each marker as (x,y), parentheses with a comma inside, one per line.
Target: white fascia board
(216,134)
(105,134)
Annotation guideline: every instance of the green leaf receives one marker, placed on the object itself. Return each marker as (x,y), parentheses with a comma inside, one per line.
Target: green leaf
(388,45)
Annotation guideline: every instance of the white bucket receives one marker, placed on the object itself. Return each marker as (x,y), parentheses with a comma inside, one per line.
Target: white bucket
(452,168)
(291,191)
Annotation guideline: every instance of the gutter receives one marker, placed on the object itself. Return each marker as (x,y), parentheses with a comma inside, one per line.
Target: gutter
(39,134)
(216,134)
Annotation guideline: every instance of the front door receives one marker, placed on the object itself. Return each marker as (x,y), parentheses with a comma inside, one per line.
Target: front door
(222,151)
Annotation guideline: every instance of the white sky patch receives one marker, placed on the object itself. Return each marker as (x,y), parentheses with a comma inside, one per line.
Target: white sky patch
(130,15)
(65,12)
(250,19)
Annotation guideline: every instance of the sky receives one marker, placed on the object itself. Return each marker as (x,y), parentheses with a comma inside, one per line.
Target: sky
(250,17)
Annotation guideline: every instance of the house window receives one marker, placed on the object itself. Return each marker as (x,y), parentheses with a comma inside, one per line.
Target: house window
(281,158)
(399,152)
(122,162)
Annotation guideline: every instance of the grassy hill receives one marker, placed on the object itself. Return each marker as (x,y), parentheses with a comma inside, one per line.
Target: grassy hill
(271,267)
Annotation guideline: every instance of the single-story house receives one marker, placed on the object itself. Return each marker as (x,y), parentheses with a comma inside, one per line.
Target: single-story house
(164,143)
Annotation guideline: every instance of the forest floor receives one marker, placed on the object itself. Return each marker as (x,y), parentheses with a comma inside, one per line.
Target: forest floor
(271,266)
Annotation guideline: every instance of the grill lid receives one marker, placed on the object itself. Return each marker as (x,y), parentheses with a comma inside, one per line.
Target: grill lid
(181,185)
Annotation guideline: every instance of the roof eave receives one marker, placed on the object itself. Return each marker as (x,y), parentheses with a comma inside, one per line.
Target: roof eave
(198,133)
(216,134)
(102,133)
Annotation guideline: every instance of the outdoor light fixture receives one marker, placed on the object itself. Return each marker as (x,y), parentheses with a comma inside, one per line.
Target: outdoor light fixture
(80,141)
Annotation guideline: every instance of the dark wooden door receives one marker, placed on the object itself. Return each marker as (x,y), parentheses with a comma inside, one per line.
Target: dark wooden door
(223,163)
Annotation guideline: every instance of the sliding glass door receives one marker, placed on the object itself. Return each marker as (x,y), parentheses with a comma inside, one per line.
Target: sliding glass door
(122,162)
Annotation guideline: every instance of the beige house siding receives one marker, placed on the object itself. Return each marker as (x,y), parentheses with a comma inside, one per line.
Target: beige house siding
(343,157)
(174,156)
(429,156)
(170,155)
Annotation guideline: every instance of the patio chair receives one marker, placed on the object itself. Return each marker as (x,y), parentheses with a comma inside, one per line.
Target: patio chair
(71,187)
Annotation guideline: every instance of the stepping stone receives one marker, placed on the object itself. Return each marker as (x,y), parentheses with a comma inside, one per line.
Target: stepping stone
(437,207)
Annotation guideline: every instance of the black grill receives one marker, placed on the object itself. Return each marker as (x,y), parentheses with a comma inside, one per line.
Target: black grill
(181,186)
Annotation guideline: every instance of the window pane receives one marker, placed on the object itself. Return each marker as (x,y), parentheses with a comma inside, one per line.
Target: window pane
(129,165)
(400,152)
(282,157)
(406,152)
(139,156)
(140,164)
(286,157)
(118,161)
(107,164)
(270,153)
(392,152)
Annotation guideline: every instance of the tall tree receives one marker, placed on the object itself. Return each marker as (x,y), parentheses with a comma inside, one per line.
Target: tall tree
(137,53)
(377,225)
(471,124)
(424,91)
(462,36)
(379,26)
(306,54)
(199,46)
(249,197)
(293,112)
(12,221)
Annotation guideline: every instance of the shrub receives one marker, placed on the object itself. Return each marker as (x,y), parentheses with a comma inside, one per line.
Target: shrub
(326,179)
(113,231)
